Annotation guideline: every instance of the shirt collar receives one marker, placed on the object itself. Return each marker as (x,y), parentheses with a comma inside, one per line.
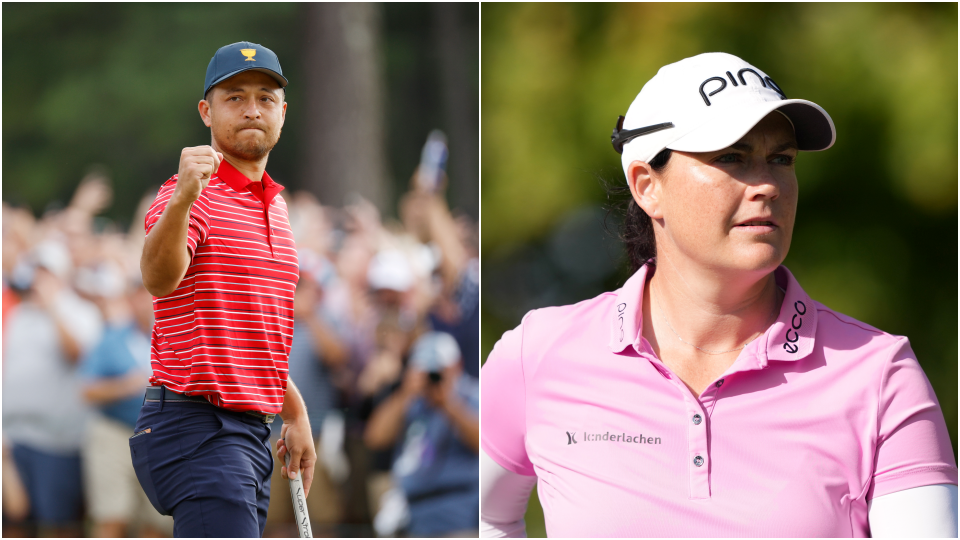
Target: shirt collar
(265,190)
(626,322)
(793,334)
(790,338)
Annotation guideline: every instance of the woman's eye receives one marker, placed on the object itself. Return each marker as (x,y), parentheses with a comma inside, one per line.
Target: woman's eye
(784,160)
(728,158)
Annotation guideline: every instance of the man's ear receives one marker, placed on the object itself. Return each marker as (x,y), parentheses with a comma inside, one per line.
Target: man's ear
(644,185)
(204,108)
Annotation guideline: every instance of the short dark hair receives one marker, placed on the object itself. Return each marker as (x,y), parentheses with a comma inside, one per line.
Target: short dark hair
(636,227)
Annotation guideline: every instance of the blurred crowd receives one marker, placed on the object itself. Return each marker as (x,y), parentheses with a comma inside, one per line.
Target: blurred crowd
(385,352)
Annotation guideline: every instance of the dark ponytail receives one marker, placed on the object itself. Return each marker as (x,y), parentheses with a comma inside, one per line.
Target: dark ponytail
(636,229)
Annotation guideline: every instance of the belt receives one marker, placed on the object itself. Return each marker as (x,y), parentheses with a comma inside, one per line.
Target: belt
(156,393)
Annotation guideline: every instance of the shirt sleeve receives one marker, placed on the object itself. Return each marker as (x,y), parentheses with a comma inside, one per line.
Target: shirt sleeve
(504,496)
(503,405)
(913,445)
(922,512)
(199,216)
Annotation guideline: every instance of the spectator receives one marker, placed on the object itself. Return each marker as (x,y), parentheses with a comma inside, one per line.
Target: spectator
(395,292)
(391,280)
(43,413)
(16,503)
(456,310)
(114,378)
(18,227)
(433,417)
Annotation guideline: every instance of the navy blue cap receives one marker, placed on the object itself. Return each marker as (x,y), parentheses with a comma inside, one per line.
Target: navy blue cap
(238,57)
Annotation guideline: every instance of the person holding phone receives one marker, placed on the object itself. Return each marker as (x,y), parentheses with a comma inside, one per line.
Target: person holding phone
(710,395)
(432,419)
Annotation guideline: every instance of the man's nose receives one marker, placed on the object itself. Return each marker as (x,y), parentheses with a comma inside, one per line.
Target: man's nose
(252,111)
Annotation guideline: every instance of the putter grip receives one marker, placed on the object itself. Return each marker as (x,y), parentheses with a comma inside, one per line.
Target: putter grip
(299,502)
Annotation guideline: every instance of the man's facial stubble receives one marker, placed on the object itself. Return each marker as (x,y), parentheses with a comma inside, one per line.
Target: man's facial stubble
(247,149)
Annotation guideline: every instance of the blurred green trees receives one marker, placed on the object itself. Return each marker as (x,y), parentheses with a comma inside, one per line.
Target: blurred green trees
(876,230)
(117,84)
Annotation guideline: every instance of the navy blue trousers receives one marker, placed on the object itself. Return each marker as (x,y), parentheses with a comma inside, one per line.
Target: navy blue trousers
(207,467)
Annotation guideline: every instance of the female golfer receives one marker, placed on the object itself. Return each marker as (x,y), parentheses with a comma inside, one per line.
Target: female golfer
(710,395)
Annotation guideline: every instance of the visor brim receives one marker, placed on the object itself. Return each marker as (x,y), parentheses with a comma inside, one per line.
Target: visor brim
(813,127)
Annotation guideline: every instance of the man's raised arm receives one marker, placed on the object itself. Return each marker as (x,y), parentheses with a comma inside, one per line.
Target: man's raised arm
(165,256)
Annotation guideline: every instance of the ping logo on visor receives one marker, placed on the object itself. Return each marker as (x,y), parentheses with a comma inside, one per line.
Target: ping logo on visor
(764,81)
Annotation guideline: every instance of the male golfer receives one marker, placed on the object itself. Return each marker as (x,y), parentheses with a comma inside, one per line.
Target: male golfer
(220,260)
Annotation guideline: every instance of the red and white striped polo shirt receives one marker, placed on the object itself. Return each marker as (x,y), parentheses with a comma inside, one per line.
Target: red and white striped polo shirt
(225,332)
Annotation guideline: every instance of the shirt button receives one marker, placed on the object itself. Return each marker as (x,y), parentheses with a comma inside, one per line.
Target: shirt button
(698,461)
(719,383)
(697,419)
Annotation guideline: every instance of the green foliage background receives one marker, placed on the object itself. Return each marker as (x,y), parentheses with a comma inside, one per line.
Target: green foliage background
(876,232)
(118,84)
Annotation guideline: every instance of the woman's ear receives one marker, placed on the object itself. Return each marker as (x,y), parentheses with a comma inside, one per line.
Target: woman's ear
(645,187)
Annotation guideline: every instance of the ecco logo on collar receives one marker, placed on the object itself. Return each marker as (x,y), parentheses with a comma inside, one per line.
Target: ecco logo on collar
(620,309)
(795,322)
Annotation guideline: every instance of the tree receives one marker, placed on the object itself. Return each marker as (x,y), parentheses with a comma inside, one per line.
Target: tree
(345,133)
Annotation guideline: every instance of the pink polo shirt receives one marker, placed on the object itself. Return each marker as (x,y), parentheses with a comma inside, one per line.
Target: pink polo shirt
(817,416)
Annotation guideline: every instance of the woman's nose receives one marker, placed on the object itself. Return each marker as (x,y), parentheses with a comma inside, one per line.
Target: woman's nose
(764,182)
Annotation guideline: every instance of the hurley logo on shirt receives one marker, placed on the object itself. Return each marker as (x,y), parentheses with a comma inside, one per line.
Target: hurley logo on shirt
(610,437)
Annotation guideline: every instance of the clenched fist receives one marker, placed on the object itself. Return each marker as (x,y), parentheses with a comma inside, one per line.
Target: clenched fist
(197,165)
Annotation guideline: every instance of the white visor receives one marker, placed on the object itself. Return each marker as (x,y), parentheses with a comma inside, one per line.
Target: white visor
(710,101)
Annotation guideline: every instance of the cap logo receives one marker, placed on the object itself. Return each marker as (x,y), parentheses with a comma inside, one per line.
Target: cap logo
(250,53)
(764,81)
